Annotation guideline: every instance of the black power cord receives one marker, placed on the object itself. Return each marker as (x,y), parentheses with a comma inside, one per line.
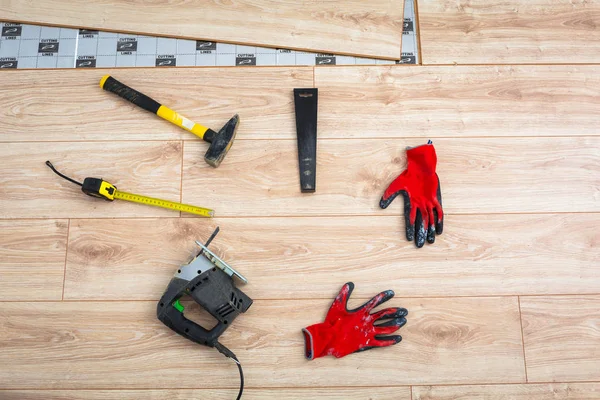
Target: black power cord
(229,354)
(49,164)
(239,396)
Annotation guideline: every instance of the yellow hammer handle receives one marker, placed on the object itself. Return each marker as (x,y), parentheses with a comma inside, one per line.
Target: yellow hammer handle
(110,84)
(181,121)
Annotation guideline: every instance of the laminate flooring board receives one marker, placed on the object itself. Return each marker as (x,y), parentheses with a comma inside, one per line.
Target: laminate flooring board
(478,175)
(289,258)
(513,31)
(547,391)
(562,337)
(338,393)
(32,259)
(357,27)
(458,101)
(354,102)
(29,189)
(114,345)
(69,105)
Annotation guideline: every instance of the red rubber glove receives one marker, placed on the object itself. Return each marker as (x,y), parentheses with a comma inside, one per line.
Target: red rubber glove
(420,186)
(348,331)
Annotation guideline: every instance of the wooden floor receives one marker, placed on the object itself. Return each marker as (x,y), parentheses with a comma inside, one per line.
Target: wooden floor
(505,304)
(513,31)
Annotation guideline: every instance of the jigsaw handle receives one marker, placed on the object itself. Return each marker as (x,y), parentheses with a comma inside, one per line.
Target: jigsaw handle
(175,320)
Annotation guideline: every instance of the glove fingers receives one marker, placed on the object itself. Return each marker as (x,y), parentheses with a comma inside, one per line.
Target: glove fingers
(425,216)
(409,218)
(420,231)
(395,312)
(409,213)
(390,326)
(341,300)
(377,300)
(397,186)
(439,226)
(386,201)
(431,226)
(383,341)
(439,191)
(431,234)
(439,220)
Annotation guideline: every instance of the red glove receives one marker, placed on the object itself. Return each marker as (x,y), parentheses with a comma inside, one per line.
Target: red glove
(420,186)
(348,331)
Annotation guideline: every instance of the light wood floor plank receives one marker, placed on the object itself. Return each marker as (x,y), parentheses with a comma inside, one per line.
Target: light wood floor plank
(458,101)
(562,337)
(108,261)
(339,393)
(32,259)
(372,28)
(31,190)
(358,102)
(514,31)
(486,175)
(101,345)
(70,106)
(551,391)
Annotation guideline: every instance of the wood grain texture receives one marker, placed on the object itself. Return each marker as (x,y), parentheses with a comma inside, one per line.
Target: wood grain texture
(372,28)
(32,259)
(552,391)
(70,106)
(101,345)
(513,31)
(319,253)
(458,101)
(519,161)
(355,102)
(562,337)
(29,189)
(356,393)
(478,175)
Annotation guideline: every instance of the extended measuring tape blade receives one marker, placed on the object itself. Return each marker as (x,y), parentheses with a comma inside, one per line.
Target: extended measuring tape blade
(151,201)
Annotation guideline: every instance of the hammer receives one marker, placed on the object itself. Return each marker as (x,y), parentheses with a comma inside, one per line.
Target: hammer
(220,142)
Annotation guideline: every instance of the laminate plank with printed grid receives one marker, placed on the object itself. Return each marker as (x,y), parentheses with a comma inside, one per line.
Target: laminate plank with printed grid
(370,29)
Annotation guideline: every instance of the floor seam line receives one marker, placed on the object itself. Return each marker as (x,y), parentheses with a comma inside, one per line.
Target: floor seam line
(260,299)
(522,338)
(66,258)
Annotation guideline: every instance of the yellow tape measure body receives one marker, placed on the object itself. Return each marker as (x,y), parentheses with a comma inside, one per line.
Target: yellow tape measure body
(151,201)
(100,188)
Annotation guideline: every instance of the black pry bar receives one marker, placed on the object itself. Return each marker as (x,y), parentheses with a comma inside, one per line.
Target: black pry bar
(305,101)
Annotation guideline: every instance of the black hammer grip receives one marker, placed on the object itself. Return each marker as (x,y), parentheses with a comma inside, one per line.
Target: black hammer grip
(110,84)
(139,99)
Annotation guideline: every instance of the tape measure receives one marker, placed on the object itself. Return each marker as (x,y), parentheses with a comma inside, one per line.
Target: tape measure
(99,188)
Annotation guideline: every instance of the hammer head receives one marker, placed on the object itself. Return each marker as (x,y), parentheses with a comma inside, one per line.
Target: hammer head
(221,142)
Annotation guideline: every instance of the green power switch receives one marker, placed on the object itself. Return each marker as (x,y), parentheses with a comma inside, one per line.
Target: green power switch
(178,306)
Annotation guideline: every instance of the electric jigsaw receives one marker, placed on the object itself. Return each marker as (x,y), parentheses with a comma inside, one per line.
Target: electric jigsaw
(209,281)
